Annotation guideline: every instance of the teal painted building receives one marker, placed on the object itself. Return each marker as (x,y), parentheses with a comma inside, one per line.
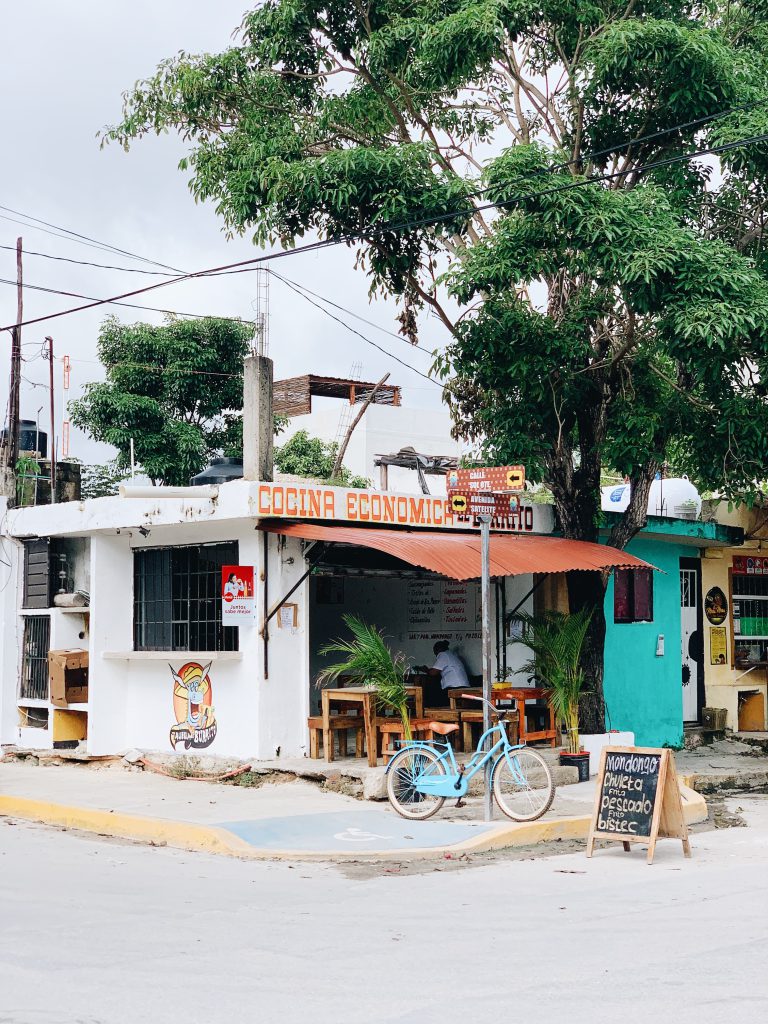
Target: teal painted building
(645,689)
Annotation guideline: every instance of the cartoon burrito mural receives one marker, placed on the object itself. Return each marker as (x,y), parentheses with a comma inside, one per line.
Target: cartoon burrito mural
(192,705)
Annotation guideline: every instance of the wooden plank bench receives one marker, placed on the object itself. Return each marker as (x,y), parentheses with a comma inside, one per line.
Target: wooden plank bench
(421,729)
(340,725)
(472,718)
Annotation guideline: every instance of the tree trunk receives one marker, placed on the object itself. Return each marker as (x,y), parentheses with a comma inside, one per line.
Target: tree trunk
(587,590)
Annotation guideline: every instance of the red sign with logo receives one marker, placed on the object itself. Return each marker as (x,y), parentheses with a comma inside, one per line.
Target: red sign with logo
(744,565)
(238,604)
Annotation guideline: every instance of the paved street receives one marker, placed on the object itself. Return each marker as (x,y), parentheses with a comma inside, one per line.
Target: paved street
(108,932)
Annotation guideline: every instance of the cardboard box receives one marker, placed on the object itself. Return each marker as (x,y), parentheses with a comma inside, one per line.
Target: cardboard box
(68,672)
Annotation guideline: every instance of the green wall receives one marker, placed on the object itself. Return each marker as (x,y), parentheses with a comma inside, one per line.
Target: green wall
(643,692)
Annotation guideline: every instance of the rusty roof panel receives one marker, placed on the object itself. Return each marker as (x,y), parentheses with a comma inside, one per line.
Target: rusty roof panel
(457,555)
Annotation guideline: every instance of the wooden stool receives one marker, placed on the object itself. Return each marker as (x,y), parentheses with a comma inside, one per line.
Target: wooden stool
(470,718)
(340,724)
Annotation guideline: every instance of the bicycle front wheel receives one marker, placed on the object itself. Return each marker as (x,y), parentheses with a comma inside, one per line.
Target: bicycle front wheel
(522,784)
(406,768)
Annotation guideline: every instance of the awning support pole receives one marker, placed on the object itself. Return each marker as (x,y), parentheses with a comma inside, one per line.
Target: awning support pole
(521,602)
(485,538)
(295,587)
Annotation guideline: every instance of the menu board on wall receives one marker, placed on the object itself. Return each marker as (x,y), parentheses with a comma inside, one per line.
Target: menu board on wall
(424,604)
(447,606)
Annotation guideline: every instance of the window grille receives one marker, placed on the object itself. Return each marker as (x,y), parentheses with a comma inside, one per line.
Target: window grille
(34,662)
(177,598)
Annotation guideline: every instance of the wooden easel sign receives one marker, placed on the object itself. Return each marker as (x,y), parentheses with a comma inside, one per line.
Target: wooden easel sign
(638,799)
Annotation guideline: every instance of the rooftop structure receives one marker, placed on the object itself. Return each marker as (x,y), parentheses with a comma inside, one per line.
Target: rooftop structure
(293,396)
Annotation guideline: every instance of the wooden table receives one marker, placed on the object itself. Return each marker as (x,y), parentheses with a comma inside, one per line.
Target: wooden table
(518,694)
(366,697)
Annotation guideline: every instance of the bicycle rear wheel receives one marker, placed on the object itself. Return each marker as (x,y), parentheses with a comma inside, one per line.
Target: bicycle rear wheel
(406,767)
(522,784)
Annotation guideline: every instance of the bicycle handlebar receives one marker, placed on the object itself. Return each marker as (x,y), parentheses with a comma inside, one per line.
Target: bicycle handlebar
(499,712)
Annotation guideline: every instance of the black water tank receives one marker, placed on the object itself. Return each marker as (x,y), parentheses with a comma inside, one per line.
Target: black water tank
(219,472)
(29,439)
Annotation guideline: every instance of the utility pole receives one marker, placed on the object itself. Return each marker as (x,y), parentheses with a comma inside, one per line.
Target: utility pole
(53,422)
(485,588)
(11,447)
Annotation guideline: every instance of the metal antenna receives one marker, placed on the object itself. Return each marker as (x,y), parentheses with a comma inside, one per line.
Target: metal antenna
(261,306)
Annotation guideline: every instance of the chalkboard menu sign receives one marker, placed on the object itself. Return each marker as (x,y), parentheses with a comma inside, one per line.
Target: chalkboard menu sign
(628,793)
(638,799)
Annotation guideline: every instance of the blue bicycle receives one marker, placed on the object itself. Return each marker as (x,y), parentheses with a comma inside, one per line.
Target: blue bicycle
(423,774)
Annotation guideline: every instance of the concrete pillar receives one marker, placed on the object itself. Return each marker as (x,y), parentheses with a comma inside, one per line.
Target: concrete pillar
(258,421)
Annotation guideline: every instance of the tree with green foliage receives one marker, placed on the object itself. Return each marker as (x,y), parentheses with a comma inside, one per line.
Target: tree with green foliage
(303,455)
(176,390)
(532,161)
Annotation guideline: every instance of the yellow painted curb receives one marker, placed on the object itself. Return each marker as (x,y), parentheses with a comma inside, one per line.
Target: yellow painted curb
(182,834)
(210,839)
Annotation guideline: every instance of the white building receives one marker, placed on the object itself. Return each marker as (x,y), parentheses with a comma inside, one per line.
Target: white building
(326,406)
(158,653)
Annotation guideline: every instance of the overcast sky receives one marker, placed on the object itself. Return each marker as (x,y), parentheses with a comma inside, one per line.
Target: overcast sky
(62,72)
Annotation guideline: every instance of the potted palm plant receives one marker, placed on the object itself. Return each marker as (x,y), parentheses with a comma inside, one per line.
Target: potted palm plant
(555,640)
(367,659)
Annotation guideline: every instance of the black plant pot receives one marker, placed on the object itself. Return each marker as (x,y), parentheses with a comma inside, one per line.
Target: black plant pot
(580,761)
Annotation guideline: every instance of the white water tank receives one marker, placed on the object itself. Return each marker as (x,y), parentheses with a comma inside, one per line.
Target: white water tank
(675,497)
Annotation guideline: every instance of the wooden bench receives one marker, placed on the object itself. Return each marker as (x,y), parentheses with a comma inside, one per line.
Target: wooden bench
(340,725)
(472,718)
(393,727)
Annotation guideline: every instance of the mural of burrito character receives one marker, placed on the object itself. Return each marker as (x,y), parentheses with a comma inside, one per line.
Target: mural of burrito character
(192,704)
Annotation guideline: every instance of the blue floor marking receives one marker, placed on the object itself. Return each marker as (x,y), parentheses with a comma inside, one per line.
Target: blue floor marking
(351,830)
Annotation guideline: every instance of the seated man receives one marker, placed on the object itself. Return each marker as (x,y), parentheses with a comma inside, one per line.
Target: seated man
(450,670)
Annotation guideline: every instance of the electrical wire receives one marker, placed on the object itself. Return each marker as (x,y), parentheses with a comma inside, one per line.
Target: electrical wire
(88,263)
(87,239)
(353,330)
(346,239)
(130,305)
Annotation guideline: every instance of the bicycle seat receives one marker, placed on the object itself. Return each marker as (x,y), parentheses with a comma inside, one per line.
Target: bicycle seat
(443,728)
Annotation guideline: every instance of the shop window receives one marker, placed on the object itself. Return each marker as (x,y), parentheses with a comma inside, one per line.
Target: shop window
(750,616)
(177,598)
(633,595)
(34,661)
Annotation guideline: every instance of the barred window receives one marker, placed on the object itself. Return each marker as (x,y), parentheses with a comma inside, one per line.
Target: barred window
(34,663)
(177,598)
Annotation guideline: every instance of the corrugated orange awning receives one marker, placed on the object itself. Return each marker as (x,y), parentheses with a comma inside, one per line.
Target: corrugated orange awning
(458,554)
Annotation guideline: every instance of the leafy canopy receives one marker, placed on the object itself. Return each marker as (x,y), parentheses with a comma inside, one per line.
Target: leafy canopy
(455,144)
(308,456)
(174,389)
(619,322)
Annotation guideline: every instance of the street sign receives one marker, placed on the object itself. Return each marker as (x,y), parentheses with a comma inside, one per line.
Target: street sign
(487,479)
(482,504)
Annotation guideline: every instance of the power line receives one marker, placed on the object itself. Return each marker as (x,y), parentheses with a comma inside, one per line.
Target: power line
(349,312)
(87,263)
(130,305)
(374,230)
(87,238)
(338,320)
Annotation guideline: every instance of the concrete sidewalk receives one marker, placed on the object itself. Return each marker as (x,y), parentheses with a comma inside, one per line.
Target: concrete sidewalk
(293,821)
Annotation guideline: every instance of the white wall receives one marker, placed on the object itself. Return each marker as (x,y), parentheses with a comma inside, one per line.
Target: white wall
(383,430)
(132,696)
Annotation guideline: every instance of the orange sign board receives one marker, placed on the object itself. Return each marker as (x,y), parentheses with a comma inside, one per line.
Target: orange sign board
(313,501)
